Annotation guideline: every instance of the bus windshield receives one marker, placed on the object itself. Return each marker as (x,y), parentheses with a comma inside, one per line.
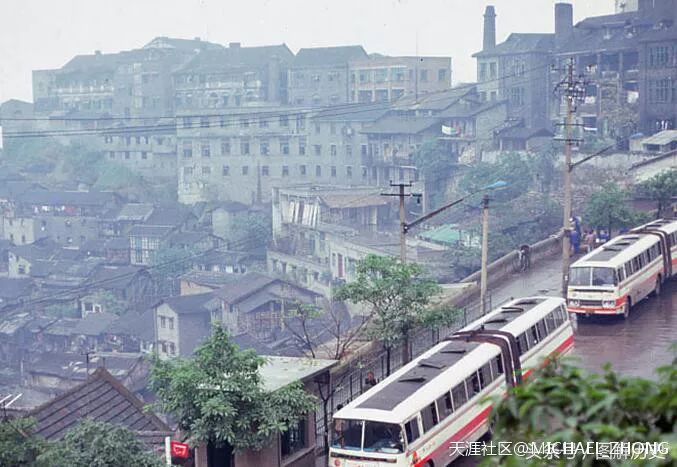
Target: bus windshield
(378,437)
(347,434)
(592,276)
(383,437)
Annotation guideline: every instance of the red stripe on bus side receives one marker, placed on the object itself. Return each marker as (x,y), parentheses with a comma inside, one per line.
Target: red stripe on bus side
(481,418)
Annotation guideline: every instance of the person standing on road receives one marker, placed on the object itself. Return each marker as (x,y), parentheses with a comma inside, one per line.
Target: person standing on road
(575,241)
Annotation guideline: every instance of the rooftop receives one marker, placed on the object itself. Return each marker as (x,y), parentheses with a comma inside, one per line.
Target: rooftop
(328,56)
(396,124)
(518,42)
(244,286)
(279,372)
(101,398)
(186,304)
(236,56)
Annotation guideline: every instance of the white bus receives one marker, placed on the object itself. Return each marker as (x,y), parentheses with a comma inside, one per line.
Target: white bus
(421,412)
(612,278)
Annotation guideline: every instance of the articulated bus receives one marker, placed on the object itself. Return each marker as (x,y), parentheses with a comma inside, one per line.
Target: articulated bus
(612,278)
(420,413)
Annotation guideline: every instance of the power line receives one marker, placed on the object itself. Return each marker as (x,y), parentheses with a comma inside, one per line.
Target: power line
(235,118)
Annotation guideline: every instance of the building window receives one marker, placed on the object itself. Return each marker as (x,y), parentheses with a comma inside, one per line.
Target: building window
(245,170)
(317,128)
(659,56)
(244,148)
(163,322)
(318,171)
(225,170)
(170,323)
(265,171)
(349,172)
(222,119)
(302,170)
(302,148)
(205,149)
(517,96)
(144,155)
(284,121)
(333,150)
(265,147)
(127,155)
(424,76)
(206,170)
(187,122)
(111,154)
(492,70)
(317,148)
(284,148)
(187,171)
(333,171)
(263,123)
(294,439)
(441,74)
(349,150)
(659,91)
(225,147)
(172,348)
(363,150)
(365,172)
(285,170)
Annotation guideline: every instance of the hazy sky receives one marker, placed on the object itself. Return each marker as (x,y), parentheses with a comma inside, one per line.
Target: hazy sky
(37,34)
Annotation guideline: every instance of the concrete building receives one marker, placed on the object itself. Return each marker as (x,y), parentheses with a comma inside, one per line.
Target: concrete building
(320,76)
(383,79)
(516,70)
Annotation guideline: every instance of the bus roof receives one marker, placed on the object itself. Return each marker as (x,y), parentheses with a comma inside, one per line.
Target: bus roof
(666,225)
(412,387)
(617,251)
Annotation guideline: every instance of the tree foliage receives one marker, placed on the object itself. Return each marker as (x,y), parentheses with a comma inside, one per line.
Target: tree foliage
(250,232)
(18,446)
(562,403)
(172,261)
(397,296)
(512,168)
(98,444)
(219,396)
(661,188)
(608,208)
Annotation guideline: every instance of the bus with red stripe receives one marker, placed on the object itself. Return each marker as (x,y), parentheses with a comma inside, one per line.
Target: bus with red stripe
(418,415)
(612,278)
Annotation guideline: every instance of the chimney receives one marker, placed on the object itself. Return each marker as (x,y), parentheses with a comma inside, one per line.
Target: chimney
(489,28)
(564,22)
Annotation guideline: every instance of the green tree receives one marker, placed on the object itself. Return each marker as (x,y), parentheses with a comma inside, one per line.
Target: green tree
(250,232)
(219,396)
(562,403)
(397,296)
(512,168)
(97,444)
(661,188)
(608,208)
(436,165)
(18,445)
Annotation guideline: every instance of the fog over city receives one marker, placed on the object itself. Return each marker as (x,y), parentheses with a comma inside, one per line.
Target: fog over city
(338,233)
(46,34)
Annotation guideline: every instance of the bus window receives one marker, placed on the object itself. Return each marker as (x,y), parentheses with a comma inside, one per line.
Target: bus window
(348,434)
(620,274)
(458,395)
(551,322)
(603,276)
(497,366)
(532,333)
(485,375)
(522,343)
(473,385)
(429,417)
(444,407)
(628,269)
(542,332)
(383,437)
(411,430)
(579,276)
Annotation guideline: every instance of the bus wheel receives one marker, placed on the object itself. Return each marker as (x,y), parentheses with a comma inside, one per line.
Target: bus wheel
(626,308)
(657,289)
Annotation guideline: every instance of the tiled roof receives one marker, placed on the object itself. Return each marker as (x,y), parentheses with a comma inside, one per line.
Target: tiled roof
(246,285)
(94,324)
(521,43)
(11,289)
(189,45)
(169,216)
(327,56)
(435,101)
(101,398)
(220,60)
(150,231)
(134,212)
(468,109)
(395,124)
(353,113)
(186,304)
(115,277)
(211,279)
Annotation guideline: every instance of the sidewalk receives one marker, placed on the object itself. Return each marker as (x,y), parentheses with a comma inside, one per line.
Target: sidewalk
(545,278)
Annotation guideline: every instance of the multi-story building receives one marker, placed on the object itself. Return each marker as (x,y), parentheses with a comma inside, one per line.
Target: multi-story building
(233,77)
(320,76)
(516,71)
(135,83)
(383,79)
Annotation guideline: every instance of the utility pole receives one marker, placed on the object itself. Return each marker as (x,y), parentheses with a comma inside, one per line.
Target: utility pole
(403,216)
(572,89)
(485,253)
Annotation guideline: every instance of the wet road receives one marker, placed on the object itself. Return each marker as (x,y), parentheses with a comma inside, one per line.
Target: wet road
(634,347)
